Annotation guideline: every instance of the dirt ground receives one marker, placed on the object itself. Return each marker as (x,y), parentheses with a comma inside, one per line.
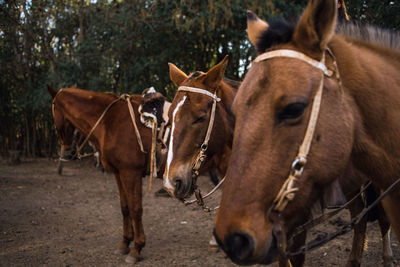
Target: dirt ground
(75,220)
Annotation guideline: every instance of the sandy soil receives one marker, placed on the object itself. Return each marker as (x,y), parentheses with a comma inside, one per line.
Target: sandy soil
(75,220)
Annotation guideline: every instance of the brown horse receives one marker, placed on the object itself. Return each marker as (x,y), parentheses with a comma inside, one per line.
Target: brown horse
(119,147)
(190,113)
(331,100)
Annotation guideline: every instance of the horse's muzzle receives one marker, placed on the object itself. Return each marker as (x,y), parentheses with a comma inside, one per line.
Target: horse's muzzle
(183,188)
(241,249)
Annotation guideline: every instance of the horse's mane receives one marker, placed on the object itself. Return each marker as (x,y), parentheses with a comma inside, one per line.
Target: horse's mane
(232,83)
(281,32)
(370,34)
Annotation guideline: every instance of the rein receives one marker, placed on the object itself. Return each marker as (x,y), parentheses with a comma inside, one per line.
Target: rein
(201,156)
(322,240)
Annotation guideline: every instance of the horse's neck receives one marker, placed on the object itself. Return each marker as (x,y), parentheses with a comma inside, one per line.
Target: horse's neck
(85,112)
(227,95)
(226,116)
(372,82)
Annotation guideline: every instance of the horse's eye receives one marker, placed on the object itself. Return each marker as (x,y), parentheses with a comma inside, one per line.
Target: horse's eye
(291,111)
(200,119)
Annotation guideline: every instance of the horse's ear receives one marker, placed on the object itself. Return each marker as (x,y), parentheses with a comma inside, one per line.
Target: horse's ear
(176,75)
(255,27)
(51,90)
(216,73)
(74,86)
(317,25)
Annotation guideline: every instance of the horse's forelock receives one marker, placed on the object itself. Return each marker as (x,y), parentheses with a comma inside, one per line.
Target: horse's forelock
(195,75)
(278,32)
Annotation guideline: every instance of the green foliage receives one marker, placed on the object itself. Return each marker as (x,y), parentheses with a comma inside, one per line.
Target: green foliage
(124,47)
(384,13)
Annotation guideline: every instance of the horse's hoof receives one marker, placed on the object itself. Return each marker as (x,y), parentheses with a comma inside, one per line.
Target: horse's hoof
(121,251)
(213,249)
(213,242)
(132,259)
(213,246)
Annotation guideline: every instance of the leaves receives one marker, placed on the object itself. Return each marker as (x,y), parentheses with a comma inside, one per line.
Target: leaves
(124,47)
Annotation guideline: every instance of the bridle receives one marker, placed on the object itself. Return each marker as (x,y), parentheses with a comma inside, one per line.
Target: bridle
(201,155)
(289,188)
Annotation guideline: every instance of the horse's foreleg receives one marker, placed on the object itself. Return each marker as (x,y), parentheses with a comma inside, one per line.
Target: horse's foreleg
(385,231)
(127,235)
(359,240)
(390,204)
(132,184)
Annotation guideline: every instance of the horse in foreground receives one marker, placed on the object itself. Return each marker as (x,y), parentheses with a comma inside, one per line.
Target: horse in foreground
(322,106)
(201,127)
(124,144)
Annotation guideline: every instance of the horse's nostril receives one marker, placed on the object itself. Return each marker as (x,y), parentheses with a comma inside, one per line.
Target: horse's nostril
(239,246)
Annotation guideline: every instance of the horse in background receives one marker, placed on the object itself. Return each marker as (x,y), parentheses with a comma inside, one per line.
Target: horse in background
(354,125)
(201,122)
(124,144)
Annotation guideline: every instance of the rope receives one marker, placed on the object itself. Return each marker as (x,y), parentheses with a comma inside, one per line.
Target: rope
(123,97)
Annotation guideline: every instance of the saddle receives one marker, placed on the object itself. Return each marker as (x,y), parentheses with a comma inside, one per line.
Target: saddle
(153,111)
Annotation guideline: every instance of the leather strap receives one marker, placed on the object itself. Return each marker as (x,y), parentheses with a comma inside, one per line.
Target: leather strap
(294,54)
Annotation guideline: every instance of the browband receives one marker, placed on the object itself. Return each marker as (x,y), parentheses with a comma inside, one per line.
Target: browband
(294,54)
(200,91)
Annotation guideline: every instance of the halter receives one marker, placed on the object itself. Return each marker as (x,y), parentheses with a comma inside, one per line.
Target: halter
(201,156)
(289,189)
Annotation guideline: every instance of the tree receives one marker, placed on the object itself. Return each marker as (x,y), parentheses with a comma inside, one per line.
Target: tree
(124,47)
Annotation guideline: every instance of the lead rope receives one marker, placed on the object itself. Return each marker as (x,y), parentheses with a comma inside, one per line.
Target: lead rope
(153,162)
(318,242)
(200,199)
